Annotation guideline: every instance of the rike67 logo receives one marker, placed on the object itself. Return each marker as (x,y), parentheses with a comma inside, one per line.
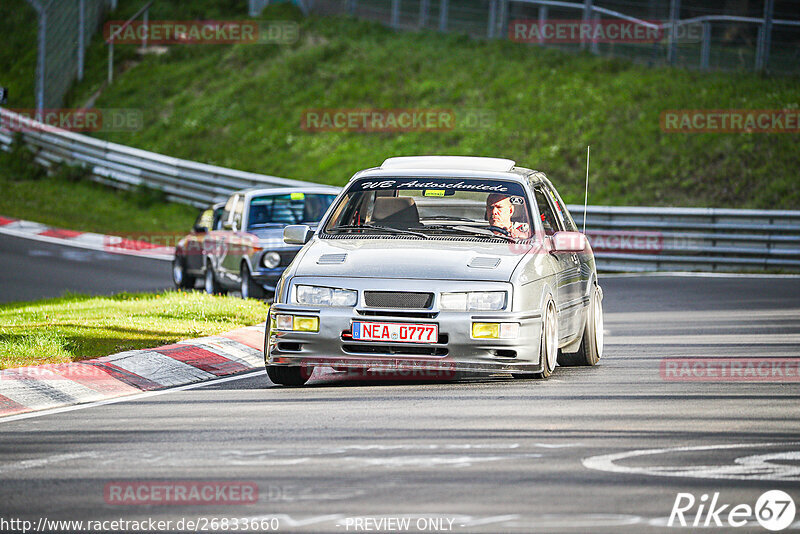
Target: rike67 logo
(774,510)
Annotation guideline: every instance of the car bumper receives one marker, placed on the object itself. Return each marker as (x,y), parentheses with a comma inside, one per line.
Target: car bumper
(456,350)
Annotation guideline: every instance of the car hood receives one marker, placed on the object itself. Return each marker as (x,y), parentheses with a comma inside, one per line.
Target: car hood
(399,258)
(271,237)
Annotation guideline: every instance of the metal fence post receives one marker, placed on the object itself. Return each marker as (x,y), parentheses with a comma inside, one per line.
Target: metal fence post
(765,37)
(111,61)
(443,7)
(81,33)
(395,14)
(424,9)
(587,16)
(351,7)
(595,46)
(41,62)
(705,47)
(492,19)
(542,22)
(146,25)
(502,19)
(674,14)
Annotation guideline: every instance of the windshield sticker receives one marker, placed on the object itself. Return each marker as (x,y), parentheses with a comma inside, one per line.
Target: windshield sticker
(434,193)
(298,196)
(439,184)
(517,200)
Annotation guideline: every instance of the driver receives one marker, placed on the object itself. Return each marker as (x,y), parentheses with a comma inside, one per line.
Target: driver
(499,210)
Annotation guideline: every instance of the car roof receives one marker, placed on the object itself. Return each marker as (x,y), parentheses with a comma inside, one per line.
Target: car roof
(312,189)
(452,166)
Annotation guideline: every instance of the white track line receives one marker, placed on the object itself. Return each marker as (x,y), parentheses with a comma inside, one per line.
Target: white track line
(126,398)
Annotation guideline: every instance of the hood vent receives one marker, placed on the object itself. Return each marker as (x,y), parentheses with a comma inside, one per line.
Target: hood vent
(484,262)
(331,259)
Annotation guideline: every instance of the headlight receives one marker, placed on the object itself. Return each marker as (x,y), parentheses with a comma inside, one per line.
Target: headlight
(325,296)
(473,301)
(270,260)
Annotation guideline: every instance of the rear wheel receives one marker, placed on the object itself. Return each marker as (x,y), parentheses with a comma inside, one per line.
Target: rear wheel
(180,278)
(548,348)
(591,349)
(250,289)
(212,285)
(294,375)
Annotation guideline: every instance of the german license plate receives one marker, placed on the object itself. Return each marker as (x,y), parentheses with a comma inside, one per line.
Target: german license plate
(402,332)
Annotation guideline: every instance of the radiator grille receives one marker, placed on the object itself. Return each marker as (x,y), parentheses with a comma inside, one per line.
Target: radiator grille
(403,300)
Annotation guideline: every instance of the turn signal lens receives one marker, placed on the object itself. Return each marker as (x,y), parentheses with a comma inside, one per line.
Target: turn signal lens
(283,322)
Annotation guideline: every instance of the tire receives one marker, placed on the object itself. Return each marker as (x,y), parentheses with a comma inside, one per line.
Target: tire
(249,288)
(179,276)
(548,346)
(212,285)
(289,375)
(591,349)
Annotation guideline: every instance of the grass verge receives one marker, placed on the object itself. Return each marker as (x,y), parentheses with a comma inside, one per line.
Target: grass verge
(68,199)
(78,327)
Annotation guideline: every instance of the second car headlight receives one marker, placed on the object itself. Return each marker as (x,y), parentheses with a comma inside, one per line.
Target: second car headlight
(473,301)
(270,260)
(325,296)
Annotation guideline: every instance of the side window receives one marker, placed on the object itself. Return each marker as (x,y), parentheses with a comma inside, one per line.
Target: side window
(218,218)
(561,211)
(205,220)
(550,221)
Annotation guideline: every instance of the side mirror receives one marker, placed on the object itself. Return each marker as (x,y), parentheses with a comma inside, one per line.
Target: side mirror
(200,229)
(569,242)
(297,234)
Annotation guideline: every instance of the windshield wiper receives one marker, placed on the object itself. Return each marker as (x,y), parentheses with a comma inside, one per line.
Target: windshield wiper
(469,230)
(369,226)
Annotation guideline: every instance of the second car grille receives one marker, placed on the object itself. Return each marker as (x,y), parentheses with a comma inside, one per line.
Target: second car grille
(403,300)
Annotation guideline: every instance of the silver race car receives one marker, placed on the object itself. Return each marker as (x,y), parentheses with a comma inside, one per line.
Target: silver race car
(438,263)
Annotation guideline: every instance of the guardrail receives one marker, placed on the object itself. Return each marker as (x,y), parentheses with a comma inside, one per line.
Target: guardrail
(624,238)
(692,239)
(124,167)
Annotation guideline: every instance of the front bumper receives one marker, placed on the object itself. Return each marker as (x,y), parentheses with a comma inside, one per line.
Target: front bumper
(333,346)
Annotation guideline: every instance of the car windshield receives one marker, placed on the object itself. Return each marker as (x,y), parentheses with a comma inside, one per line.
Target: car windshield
(433,207)
(292,208)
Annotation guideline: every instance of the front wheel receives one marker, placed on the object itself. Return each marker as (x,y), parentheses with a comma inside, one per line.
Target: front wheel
(294,375)
(212,285)
(591,348)
(179,276)
(548,348)
(250,289)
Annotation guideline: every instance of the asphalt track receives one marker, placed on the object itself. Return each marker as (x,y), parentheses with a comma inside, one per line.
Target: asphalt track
(486,454)
(33,269)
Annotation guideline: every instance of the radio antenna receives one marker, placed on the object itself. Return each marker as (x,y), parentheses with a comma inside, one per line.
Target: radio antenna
(586,190)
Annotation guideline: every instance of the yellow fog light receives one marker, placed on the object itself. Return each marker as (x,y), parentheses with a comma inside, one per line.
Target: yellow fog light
(486,330)
(306,324)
